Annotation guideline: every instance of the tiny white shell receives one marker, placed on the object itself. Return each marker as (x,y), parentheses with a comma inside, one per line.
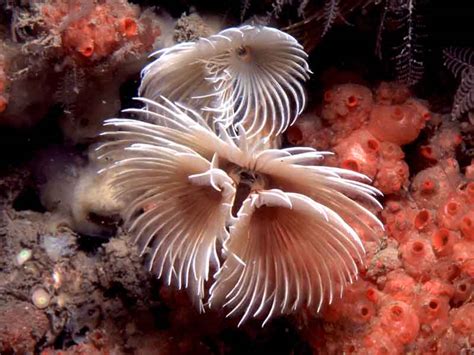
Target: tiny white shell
(40,297)
(23,256)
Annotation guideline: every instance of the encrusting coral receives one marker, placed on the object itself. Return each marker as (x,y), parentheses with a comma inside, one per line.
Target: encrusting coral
(290,229)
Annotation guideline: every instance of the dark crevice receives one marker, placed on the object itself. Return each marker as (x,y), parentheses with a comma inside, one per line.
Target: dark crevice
(90,244)
(116,290)
(28,200)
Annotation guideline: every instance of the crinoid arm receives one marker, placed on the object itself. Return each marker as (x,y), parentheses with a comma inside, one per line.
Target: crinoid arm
(246,75)
(461,63)
(285,251)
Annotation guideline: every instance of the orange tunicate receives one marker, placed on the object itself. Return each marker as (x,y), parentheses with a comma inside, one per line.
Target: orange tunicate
(399,220)
(354,305)
(351,164)
(391,151)
(400,321)
(443,144)
(362,311)
(437,287)
(328,95)
(378,341)
(462,289)
(128,27)
(452,208)
(463,320)
(80,38)
(399,124)
(428,186)
(468,267)
(372,294)
(469,192)
(431,187)
(87,49)
(358,152)
(426,152)
(98,32)
(470,171)
(443,240)
(307,131)
(463,251)
(451,213)
(422,219)
(434,310)
(400,286)
(392,176)
(106,36)
(346,107)
(373,145)
(391,93)
(341,98)
(445,269)
(420,107)
(466,226)
(352,101)
(418,257)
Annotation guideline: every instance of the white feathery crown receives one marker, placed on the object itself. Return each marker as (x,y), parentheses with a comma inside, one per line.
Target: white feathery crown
(204,193)
(249,75)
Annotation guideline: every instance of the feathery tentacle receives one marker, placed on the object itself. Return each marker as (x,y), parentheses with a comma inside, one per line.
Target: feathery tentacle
(248,75)
(285,251)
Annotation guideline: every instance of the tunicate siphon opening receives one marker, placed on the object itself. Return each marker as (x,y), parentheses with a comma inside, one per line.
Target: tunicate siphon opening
(418,247)
(422,218)
(452,208)
(396,313)
(433,304)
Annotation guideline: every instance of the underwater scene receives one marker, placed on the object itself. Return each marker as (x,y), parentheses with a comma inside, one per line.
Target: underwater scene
(239,177)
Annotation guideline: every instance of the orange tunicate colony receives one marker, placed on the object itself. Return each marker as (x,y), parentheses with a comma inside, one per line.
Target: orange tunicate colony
(399,124)
(417,291)
(366,131)
(100,30)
